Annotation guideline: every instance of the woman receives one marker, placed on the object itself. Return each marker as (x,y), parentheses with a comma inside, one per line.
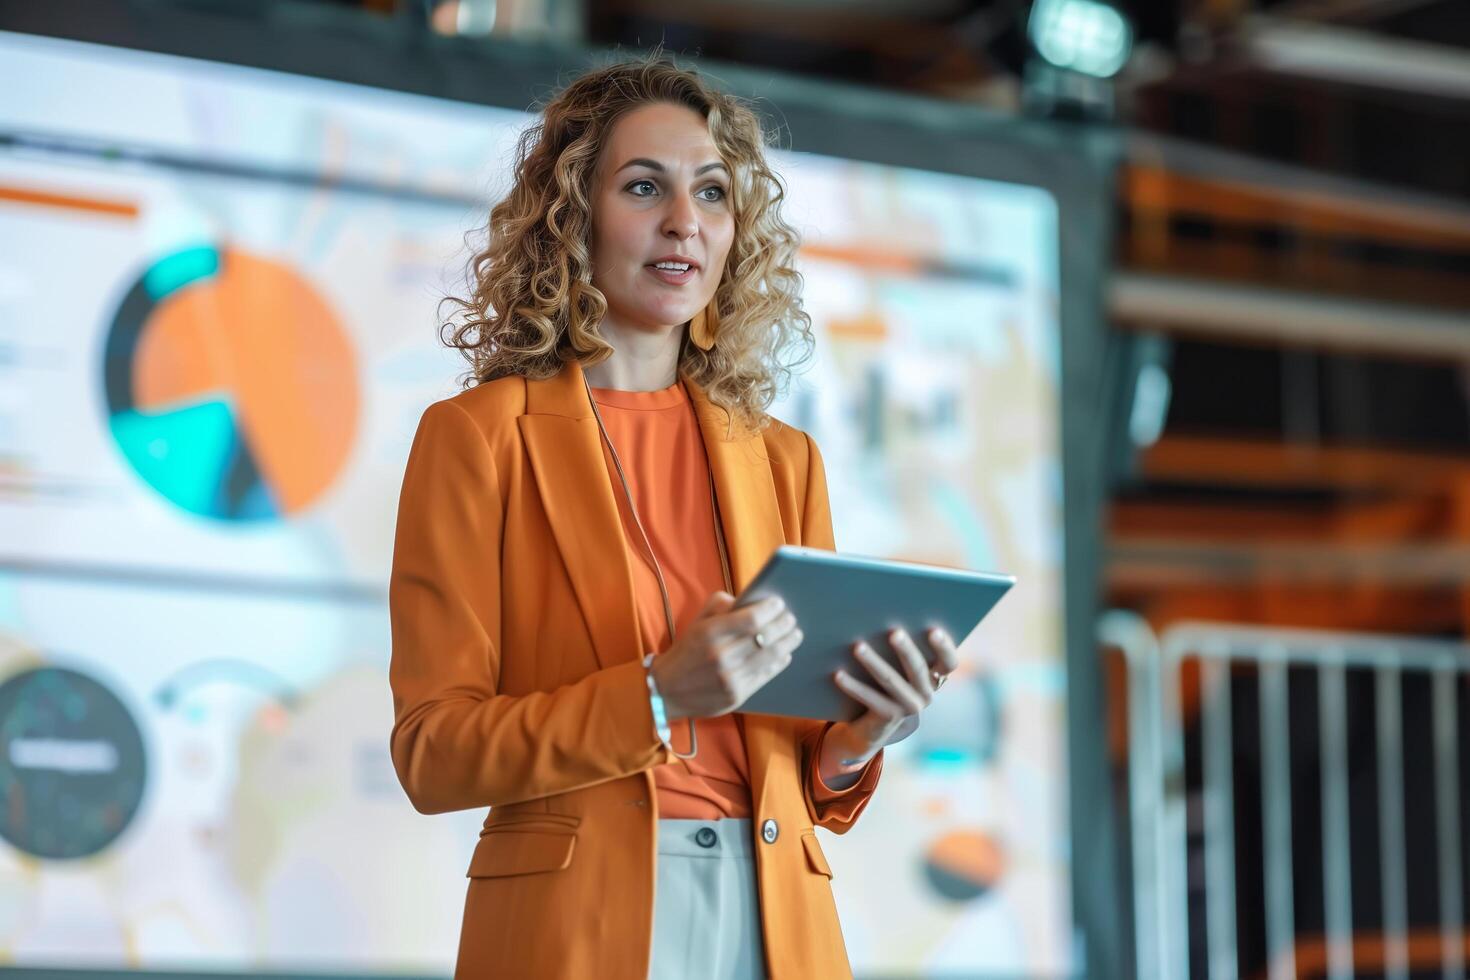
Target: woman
(571,533)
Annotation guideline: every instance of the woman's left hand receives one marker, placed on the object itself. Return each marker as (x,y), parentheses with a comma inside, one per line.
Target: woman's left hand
(893,711)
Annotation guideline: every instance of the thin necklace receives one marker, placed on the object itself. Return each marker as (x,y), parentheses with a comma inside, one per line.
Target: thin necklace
(663,588)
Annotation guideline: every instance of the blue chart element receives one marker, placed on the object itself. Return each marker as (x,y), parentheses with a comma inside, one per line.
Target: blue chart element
(963,732)
(196,458)
(179,452)
(179,269)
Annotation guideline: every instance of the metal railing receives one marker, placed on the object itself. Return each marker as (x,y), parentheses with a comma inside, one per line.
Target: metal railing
(1160,796)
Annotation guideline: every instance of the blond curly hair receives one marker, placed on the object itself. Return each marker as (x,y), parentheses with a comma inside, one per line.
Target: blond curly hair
(532,306)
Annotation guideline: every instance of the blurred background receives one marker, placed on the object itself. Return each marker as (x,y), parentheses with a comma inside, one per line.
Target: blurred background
(1161,307)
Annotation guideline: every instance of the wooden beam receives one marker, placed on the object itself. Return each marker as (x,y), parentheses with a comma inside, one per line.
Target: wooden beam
(1426,517)
(1147,562)
(1154,188)
(1227,462)
(1288,318)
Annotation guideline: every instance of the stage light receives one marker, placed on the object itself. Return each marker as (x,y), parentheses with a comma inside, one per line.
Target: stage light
(1081,35)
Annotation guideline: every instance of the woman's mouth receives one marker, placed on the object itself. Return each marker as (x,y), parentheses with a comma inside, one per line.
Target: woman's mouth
(673,273)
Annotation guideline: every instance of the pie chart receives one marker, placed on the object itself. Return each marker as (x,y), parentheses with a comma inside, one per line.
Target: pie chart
(963,865)
(231,386)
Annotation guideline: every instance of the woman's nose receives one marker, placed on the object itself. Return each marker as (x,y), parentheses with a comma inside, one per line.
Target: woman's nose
(680,220)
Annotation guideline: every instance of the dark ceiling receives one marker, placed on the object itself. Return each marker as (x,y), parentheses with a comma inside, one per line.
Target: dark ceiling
(1384,95)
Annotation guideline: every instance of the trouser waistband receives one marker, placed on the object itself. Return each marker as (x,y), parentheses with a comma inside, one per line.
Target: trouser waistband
(727,838)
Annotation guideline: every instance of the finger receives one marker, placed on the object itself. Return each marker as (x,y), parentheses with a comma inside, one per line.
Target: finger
(944,648)
(747,661)
(897,688)
(749,620)
(777,628)
(777,631)
(865,695)
(760,615)
(741,648)
(914,664)
(717,603)
(755,672)
(782,656)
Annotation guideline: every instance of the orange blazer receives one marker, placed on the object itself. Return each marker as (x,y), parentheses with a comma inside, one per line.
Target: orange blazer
(517,683)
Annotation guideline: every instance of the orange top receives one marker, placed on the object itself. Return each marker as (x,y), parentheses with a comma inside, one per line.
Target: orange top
(657,438)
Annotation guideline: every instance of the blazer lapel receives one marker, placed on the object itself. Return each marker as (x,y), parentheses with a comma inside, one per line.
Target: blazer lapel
(565,449)
(746,493)
(751,517)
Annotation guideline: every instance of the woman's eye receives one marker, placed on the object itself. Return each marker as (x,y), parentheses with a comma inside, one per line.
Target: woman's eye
(639,183)
(719,192)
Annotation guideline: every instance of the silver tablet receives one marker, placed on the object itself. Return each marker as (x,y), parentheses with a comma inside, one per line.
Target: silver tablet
(839,599)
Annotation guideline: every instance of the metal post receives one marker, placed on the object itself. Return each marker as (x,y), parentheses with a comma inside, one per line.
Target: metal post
(1276,817)
(1132,635)
(1447,823)
(1173,824)
(1219,807)
(1337,877)
(1391,821)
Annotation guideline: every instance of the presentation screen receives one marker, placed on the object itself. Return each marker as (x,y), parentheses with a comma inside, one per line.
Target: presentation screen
(218,292)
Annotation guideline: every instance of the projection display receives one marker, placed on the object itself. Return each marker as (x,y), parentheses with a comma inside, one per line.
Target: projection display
(217,300)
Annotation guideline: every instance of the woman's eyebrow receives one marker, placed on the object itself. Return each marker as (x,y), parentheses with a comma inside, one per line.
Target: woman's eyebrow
(655,165)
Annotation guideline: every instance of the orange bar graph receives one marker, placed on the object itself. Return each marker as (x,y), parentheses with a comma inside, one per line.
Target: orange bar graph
(71,202)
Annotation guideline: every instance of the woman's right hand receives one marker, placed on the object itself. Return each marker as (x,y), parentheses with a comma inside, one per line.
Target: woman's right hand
(715,665)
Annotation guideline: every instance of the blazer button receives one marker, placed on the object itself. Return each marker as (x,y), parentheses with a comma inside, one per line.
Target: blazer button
(769,830)
(705,837)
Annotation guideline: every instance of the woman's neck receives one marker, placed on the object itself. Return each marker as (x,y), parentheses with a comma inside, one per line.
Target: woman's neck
(642,360)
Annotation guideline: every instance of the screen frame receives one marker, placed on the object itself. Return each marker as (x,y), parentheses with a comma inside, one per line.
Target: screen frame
(1074,162)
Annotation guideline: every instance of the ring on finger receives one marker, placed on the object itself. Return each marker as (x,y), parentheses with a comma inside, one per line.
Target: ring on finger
(760,641)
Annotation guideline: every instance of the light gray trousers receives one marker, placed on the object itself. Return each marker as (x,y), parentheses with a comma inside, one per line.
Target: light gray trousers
(706,910)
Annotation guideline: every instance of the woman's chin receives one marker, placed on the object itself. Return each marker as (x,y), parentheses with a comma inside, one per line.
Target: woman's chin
(662,320)
(654,318)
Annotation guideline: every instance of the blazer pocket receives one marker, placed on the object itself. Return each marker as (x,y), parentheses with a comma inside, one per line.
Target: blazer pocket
(521,818)
(815,859)
(522,849)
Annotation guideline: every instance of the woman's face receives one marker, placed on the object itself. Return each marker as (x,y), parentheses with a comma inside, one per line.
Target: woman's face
(659,189)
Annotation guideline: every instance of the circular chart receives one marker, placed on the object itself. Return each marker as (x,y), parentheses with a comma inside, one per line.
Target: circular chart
(964,864)
(231,386)
(71,764)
